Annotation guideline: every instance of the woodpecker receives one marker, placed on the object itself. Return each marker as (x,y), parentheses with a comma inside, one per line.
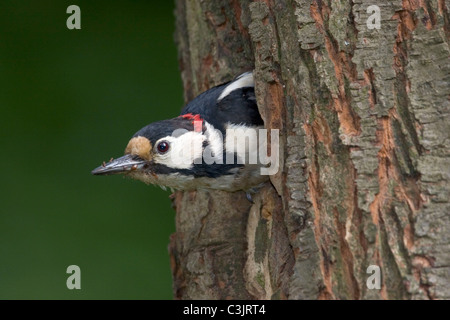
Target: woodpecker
(194,150)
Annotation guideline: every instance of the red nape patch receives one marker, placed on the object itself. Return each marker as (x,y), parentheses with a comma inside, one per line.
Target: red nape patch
(194,117)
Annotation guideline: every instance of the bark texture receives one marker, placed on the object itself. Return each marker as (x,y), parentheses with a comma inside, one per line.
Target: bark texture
(365,151)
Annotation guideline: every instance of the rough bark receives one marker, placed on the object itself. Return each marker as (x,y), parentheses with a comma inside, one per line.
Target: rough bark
(365,151)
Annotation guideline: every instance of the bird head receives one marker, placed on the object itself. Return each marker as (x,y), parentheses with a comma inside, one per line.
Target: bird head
(159,151)
(194,151)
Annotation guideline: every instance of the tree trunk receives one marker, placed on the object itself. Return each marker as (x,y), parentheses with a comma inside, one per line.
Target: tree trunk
(364,173)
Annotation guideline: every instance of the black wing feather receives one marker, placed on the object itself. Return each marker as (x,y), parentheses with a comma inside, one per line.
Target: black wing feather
(238,107)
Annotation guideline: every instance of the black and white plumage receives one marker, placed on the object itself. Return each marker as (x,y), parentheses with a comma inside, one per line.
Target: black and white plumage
(232,102)
(162,152)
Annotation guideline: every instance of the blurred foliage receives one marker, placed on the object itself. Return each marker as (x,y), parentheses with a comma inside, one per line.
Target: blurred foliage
(70,99)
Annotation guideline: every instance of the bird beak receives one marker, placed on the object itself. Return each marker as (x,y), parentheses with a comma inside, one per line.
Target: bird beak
(124,164)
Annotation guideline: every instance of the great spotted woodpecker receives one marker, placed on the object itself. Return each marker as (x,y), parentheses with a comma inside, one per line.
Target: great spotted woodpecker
(195,150)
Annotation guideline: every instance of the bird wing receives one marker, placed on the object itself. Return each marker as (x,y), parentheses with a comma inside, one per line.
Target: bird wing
(233,102)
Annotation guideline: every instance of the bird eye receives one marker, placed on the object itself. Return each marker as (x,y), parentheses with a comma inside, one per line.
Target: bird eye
(163,147)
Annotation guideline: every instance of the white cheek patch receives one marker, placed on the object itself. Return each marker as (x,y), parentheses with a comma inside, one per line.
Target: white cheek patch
(213,152)
(245,80)
(182,150)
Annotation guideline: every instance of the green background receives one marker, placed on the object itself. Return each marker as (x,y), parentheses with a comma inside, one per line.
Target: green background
(69,100)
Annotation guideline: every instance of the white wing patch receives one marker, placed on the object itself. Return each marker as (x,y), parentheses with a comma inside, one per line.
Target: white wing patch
(244,141)
(243,81)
